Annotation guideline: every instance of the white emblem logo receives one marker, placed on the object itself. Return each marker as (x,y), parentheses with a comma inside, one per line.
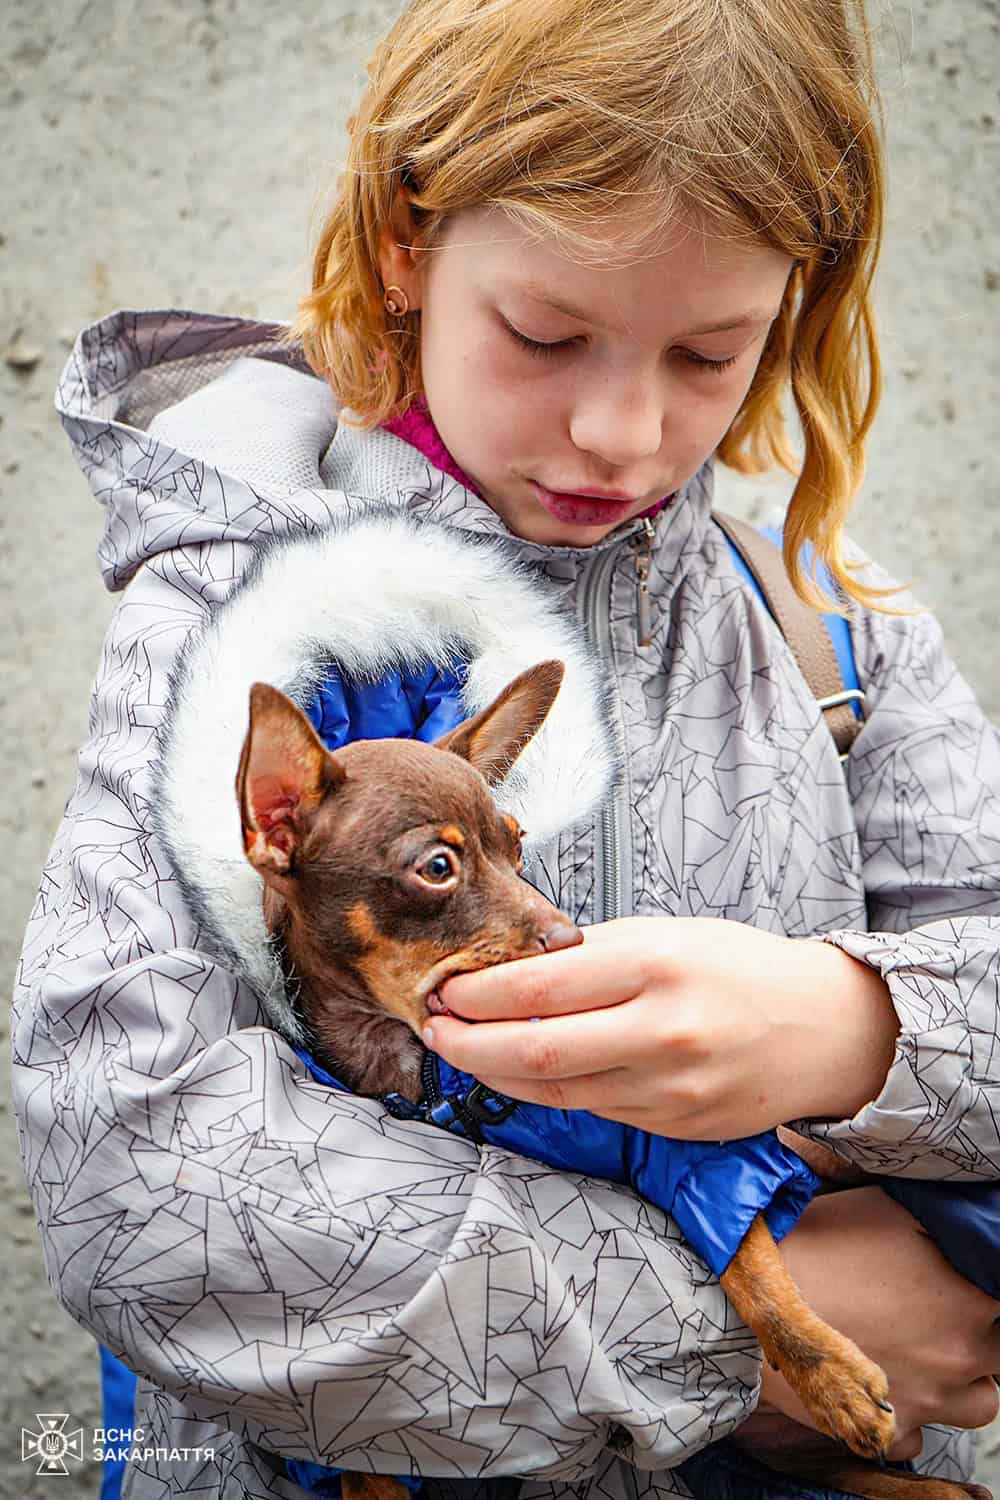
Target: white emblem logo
(51,1446)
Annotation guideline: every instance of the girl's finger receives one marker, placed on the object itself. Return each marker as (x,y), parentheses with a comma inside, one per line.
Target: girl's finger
(558,1047)
(553,984)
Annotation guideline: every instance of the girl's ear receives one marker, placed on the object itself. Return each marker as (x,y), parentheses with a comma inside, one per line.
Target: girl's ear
(399,253)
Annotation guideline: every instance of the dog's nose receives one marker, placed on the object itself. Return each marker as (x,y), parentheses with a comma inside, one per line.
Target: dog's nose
(560,935)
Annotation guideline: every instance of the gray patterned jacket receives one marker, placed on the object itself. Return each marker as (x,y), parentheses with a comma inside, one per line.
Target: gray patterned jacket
(292,1271)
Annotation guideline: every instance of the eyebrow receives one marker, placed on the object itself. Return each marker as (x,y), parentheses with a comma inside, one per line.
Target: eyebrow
(728,325)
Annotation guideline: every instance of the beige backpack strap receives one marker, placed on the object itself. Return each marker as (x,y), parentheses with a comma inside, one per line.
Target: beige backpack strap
(803,629)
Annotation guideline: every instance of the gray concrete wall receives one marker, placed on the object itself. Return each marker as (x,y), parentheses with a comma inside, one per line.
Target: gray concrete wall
(173,155)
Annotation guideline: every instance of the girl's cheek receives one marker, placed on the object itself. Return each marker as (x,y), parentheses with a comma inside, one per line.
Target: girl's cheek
(714,409)
(511,364)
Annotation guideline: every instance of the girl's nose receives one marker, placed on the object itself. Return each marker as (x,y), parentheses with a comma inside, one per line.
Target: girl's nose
(619,422)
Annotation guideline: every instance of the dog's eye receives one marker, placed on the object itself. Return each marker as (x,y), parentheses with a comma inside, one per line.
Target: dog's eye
(439,869)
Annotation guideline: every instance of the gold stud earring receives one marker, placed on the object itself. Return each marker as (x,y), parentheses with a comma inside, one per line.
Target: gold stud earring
(396,301)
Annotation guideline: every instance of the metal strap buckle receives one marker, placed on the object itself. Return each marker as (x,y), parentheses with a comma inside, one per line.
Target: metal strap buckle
(849,695)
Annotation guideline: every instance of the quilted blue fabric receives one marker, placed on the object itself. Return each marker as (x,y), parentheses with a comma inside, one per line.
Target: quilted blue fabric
(422,703)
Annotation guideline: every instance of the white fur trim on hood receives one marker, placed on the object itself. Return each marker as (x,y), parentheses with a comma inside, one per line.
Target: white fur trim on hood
(379,592)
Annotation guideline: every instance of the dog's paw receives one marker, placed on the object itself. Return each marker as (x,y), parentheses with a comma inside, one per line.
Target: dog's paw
(845,1393)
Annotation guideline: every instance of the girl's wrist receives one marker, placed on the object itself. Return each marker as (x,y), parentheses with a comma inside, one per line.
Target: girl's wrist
(857,1032)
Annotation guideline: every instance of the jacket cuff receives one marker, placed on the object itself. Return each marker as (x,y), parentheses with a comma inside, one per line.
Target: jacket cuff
(918,1123)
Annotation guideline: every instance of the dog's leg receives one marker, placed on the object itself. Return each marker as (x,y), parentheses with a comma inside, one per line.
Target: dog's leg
(844,1392)
(836,1471)
(379,1487)
(832,1170)
(873,1483)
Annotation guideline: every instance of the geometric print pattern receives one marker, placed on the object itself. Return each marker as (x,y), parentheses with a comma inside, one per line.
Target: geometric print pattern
(292,1271)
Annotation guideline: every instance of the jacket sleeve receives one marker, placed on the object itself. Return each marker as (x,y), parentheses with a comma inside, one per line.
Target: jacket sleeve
(289,1260)
(924,777)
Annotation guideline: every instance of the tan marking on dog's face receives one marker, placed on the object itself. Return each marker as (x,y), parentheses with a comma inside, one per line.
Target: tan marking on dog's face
(361,925)
(513,828)
(451,834)
(394,973)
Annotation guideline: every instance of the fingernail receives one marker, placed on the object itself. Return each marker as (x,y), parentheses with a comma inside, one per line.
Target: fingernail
(427,1035)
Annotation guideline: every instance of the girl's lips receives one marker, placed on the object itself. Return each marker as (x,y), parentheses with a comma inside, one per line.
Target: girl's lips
(580,510)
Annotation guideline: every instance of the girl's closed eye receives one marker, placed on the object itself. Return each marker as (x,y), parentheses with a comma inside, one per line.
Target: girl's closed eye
(709,364)
(543,350)
(535,346)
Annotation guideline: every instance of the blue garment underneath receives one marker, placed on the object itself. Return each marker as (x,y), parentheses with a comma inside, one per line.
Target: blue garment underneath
(420,702)
(724,1472)
(118,1390)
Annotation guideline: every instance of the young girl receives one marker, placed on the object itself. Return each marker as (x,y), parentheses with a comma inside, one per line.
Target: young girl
(579,251)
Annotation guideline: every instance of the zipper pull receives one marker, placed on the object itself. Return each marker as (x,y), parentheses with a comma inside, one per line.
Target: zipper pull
(643,554)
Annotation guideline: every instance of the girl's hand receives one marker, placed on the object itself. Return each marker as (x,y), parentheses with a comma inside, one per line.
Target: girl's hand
(866,1266)
(688,1027)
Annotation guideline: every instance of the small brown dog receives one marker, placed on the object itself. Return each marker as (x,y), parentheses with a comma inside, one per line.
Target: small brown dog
(387,868)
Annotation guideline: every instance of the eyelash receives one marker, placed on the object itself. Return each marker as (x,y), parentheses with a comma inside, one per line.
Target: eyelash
(547,350)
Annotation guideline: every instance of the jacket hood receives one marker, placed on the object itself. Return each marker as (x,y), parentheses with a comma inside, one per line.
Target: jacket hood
(194,428)
(170,472)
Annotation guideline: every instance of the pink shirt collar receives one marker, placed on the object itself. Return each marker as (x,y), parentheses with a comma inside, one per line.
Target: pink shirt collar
(416,426)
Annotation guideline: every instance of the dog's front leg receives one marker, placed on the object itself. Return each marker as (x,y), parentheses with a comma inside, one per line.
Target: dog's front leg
(844,1392)
(855,1476)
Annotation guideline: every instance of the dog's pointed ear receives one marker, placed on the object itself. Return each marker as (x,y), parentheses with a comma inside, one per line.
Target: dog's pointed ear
(492,741)
(285,772)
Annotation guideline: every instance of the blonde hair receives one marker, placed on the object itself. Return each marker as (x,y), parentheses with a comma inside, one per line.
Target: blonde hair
(758,114)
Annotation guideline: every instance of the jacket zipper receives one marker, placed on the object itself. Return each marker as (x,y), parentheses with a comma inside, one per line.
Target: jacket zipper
(610,897)
(643,553)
